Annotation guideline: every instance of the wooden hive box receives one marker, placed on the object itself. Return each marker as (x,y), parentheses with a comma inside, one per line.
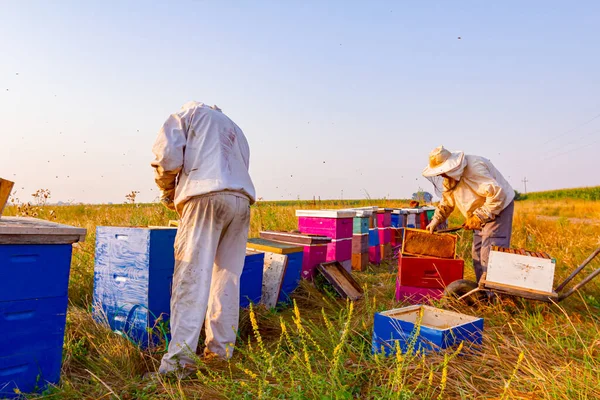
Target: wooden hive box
(35,260)
(519,269)
(428,272)
(282,269)
(133,274)
(417,295)
(336,224)
(315,248)
(439,329)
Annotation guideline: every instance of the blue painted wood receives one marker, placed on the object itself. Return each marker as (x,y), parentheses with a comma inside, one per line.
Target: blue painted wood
(132,280)
(251,279)
(29,372)
(30,271)
(133,276)
(389,331)
(373,237)
(33,304)
(361,225)
(32,325)
(292,277)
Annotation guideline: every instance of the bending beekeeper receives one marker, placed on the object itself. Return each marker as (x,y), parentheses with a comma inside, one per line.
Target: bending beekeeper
(201,168)
(482,195)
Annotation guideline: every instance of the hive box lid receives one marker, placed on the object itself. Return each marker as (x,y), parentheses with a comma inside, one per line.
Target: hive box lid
(326,213)
(295,238)
(271,246)
(413,210)
(364,213)
(399,211)
(520,271)
(26,230)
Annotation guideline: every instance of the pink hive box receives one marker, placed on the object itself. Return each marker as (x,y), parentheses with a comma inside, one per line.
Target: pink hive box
(339,250)
(385,235)
(384,217)
(417,295)
(375,255)
(337,224)
(313,256)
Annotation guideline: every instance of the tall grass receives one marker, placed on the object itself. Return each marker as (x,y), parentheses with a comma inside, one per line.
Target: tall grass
(320,346)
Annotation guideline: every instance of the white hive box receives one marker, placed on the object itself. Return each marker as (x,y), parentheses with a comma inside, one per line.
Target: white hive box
(532,271)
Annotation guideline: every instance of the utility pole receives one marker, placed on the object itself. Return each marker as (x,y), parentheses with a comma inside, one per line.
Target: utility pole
(525,183)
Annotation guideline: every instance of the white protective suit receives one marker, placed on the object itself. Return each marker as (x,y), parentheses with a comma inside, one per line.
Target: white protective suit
(477,188)
(209,162)
(202,157)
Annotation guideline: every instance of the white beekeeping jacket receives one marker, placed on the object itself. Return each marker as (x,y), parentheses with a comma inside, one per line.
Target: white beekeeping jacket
(480,190)
(199,150)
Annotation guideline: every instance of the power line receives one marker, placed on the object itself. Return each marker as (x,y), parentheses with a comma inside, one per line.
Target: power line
(571,130)
(577,139)
(570,151)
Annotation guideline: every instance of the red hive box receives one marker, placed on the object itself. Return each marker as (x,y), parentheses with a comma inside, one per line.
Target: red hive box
(428,272)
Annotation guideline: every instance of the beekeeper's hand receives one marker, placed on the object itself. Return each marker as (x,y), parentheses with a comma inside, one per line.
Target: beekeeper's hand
(474,223)
(432,225)
(166,198)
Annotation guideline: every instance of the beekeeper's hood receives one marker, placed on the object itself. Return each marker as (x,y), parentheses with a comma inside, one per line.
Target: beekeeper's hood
(442,161)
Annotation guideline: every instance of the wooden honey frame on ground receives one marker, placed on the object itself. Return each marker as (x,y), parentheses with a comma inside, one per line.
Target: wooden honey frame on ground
(343,283)
(5,189)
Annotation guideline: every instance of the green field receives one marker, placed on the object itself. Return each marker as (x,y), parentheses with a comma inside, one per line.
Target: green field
(587,193)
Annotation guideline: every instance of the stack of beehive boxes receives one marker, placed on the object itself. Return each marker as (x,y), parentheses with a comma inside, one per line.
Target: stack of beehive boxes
(35,259)
(336,224)
(360,239)
(384,225)
(426,265)
(399,221)
(133,275)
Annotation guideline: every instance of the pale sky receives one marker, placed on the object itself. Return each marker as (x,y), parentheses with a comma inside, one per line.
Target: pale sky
(333,96)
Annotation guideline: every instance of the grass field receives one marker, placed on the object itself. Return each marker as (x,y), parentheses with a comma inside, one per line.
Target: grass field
(320,348)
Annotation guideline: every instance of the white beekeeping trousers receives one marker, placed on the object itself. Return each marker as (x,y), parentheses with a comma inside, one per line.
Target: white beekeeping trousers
(210,249)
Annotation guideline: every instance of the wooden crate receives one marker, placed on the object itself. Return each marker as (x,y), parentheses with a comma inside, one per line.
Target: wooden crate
(299,239)
(522,269)
(339,250)
(439,329)
(428,272)
(360,243)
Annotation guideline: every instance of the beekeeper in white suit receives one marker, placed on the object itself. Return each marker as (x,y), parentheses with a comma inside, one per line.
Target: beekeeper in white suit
(201,168)
(482,195)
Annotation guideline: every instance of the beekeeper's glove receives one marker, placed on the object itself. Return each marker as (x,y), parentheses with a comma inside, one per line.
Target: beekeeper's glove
(166,198)
(432,225)
(474,223)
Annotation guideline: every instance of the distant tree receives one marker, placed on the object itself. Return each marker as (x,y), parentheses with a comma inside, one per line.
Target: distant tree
(422,196)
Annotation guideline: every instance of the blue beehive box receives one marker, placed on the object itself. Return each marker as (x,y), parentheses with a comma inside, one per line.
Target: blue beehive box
(251,279)
(373,237)
(35,259)
(438,329)
(132,280)
(133,276)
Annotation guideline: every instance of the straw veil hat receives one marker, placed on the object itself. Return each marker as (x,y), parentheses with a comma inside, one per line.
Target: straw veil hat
(442,161)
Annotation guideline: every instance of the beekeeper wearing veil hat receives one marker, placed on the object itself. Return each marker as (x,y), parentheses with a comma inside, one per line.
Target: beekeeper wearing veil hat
(480,192)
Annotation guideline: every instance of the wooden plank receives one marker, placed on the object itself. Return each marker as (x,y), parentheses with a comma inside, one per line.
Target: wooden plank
(274,270)
(5,189)
(341,280)
(295,238)
(39,239)
(521,292)
(37,228)
(271,246)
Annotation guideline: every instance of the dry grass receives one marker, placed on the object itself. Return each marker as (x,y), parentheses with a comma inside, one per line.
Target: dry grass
(321,349)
